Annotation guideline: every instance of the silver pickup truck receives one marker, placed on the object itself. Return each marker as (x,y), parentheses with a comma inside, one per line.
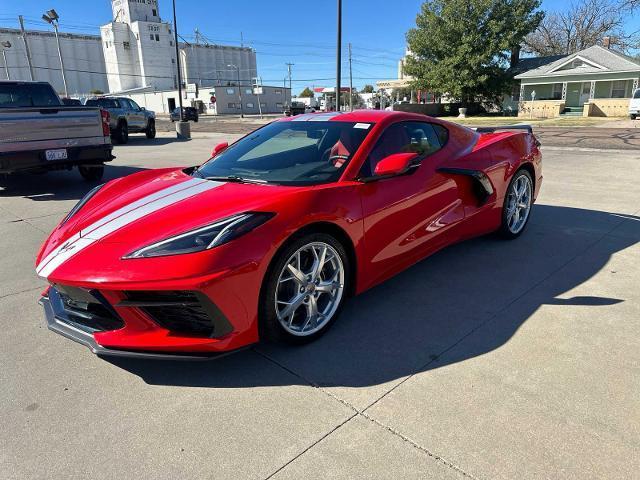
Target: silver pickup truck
(126,117)
(39,133)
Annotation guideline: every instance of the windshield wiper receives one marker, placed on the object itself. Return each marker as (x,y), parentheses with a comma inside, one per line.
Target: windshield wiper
(236,179)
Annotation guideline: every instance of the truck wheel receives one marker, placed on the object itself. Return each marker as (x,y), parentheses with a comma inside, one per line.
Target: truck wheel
(91,173)
(122,132)
(151,129)
(632,116)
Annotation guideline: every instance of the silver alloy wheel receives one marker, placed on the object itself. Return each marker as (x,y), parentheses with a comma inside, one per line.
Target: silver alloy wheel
(309,289)
(519,204)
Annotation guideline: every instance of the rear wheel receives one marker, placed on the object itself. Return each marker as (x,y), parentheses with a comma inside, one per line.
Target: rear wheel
(151,129)
(122,132)
(91,173)
(304,290)
(632,116)
(517,205)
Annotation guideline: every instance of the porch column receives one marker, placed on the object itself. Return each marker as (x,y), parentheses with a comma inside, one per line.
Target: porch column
(522,99)
(634,86)
(564,90)
(592,91)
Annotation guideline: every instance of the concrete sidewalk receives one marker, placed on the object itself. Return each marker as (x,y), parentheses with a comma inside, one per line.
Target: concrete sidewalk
(491,359)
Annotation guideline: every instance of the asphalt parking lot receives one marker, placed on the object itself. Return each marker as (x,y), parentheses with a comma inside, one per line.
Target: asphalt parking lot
(490,359)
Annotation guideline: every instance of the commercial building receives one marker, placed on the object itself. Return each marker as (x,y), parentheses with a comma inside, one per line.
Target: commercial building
(135,50)
(216,100)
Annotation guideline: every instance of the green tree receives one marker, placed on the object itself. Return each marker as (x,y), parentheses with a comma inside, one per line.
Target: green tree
(367,89)
(306,93)
(96,91)
(460,47)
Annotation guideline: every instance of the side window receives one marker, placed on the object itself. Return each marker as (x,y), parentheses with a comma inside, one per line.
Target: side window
(134,105)
(403,137)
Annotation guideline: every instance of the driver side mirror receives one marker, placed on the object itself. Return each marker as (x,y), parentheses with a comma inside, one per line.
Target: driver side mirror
(395,164)
(219,148)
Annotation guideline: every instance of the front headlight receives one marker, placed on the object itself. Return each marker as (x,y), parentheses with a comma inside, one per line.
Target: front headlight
(204,238)
(81,203)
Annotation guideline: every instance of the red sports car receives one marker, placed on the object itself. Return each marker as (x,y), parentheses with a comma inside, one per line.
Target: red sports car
(269,237)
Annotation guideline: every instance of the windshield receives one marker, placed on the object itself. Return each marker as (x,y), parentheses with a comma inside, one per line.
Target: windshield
(290,153)
(637,94)
(102,102)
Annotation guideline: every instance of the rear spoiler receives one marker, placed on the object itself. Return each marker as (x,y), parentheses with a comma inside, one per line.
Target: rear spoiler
(528,128)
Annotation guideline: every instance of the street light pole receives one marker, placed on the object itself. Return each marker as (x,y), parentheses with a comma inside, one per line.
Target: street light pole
(52,17)
(239,88)
(339,55)
(4,46)
(175,41)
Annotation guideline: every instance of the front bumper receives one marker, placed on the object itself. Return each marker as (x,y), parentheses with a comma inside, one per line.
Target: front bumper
(59,321)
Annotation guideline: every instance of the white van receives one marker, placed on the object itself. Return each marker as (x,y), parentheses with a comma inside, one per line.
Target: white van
(634,105)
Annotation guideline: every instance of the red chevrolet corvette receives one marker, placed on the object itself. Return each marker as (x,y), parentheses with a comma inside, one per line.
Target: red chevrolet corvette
(270,236)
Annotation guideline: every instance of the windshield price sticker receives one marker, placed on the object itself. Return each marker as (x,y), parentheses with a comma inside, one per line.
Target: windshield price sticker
(364,126)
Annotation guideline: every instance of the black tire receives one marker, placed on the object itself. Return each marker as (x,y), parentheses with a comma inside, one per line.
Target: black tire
(632,116)
(91,173)
(269,326)
(195,120)
(150,132)
(504,230)
(122,133)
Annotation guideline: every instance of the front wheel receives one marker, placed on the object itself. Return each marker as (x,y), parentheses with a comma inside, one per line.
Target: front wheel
(304,290)
(517,205)
(632,116)
(151,129)
(91,173)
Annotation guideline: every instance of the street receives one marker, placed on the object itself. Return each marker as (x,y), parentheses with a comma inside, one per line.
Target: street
(491,359)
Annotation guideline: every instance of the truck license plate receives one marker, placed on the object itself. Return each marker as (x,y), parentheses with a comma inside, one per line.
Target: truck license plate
(60,154)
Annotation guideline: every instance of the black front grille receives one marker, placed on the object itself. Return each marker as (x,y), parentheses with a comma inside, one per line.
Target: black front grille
(184,312)
(84,309)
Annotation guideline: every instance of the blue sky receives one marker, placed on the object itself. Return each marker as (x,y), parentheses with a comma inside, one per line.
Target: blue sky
(284,31)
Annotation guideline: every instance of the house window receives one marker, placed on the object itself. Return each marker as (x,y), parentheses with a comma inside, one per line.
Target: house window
(153,12)
(171,43)
(231,105)
(151,36)
(230,91)
(618,89)
(157,37)
(263,105)
(557,91)
(126,45)
(279,105)
(248,91)
(249,105)
(278,92)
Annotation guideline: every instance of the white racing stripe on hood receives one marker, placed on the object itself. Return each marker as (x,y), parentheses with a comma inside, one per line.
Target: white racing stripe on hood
(120,218)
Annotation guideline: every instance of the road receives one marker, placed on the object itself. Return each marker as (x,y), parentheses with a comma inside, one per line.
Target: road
(491,359)
(576,137)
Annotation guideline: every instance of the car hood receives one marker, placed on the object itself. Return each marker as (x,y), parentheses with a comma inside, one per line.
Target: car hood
(150,206)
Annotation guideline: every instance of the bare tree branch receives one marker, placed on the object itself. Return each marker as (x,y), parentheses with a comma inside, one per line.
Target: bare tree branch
(584,24)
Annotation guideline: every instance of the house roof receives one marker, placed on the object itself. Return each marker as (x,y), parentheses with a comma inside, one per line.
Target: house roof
(531,63)
(591,60)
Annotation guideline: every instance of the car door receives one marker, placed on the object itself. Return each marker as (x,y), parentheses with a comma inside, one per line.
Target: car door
(408,216)
(135,115)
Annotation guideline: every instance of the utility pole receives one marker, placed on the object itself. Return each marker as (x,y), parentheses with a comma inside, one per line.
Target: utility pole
(289,65)
(51,17)
(239,88)
(339,55)
(241,40)
(5,46)
(26,47)
(350,81)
